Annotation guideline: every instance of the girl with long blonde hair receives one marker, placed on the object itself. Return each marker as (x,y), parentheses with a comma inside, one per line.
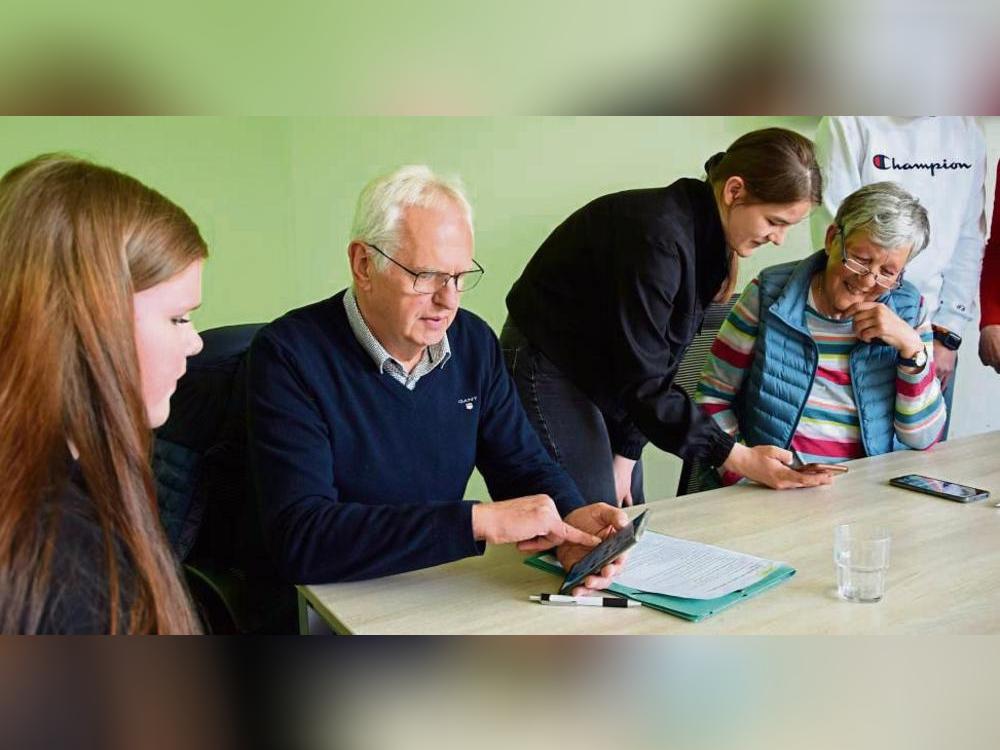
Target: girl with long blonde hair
(98,275)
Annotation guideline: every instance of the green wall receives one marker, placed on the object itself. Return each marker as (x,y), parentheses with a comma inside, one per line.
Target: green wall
(274,196)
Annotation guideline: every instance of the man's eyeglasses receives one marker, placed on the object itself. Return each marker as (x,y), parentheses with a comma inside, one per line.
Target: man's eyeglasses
(888,283)
(429,282)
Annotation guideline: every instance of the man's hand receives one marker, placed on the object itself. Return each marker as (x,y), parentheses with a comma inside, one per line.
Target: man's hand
(600,519)
(770,465)
(873,320)
(532,522)
(944,362)
(622,468)
(989,346)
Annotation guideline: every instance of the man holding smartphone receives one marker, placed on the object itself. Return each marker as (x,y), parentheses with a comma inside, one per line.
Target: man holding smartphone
(369,410)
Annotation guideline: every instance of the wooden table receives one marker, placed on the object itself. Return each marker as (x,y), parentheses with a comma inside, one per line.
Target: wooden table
(944,574)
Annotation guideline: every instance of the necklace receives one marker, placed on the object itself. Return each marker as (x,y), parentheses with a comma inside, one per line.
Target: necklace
(819,297)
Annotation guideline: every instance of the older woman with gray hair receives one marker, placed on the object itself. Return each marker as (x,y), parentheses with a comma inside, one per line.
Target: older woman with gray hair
(830,356)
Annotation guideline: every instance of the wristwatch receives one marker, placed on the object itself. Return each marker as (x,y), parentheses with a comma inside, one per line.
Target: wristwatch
(946,338)
(919,360)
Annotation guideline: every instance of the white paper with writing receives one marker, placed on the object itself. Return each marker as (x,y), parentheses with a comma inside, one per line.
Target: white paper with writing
(661,564)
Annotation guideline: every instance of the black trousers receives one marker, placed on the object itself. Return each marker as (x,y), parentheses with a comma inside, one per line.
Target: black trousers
(570,425)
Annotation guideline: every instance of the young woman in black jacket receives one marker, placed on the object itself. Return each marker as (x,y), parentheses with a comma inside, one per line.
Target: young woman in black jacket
(604,311)
(98,275)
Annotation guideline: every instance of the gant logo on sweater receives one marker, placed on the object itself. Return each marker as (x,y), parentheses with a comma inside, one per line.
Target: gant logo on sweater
(881,161)
(468,402)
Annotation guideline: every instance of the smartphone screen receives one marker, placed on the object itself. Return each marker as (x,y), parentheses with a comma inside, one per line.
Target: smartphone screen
(939,487)
(605,552)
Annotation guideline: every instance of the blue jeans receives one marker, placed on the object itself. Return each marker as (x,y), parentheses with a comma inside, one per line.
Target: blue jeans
(570,425)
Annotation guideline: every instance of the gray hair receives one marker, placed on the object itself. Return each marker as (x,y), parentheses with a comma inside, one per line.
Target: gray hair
(888,214)
(381,203)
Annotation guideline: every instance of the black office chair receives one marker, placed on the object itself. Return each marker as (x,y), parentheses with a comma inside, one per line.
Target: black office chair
(207,506)
(695,475)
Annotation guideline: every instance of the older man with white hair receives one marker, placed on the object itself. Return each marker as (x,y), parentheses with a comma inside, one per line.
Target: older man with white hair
(369,410)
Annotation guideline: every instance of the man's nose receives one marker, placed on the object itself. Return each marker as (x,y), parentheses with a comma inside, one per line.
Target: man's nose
(448,295)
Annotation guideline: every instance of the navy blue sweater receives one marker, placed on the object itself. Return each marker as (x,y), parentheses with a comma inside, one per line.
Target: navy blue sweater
(359,477)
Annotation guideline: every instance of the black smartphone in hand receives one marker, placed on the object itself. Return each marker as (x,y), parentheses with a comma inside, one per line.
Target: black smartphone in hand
(604,553)
(822,469)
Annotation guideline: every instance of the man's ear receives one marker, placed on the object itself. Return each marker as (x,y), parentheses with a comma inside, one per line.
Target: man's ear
(362,265)
(734,191)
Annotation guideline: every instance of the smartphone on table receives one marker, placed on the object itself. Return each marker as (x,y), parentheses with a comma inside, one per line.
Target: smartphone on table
(960,493)
(605,552)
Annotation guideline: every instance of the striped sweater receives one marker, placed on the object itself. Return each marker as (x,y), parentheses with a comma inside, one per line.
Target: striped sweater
(828,431)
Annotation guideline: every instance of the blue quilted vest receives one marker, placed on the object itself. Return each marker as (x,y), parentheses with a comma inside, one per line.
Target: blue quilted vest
(785,361)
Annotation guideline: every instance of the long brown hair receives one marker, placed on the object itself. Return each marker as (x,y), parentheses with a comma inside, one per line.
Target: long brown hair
(776,165)
(77,241)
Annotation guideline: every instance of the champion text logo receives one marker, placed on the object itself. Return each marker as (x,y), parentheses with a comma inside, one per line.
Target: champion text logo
(881,161)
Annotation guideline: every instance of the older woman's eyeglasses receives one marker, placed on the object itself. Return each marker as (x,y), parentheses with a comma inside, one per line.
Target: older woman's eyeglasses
(885,281)
(429,282)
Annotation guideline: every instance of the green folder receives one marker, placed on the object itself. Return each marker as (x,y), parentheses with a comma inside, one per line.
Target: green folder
(688,609)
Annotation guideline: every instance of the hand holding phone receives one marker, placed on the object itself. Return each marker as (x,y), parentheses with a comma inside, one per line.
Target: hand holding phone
(822,468)
(604,553)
